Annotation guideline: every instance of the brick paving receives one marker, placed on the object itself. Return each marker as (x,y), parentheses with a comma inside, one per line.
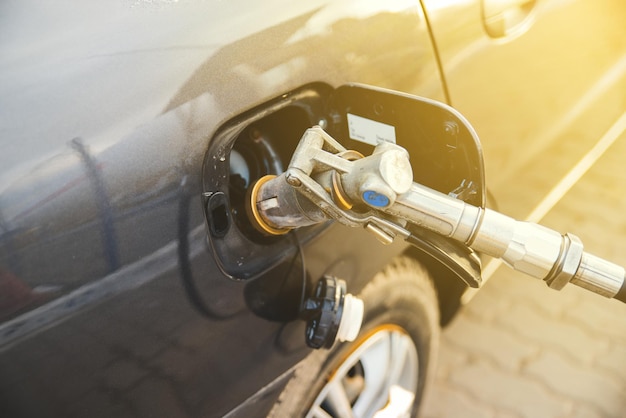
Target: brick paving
(520,349)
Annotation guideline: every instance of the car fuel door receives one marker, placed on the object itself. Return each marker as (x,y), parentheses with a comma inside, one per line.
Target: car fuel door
(445,156)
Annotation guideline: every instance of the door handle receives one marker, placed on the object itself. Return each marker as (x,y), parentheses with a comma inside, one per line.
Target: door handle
(506,17)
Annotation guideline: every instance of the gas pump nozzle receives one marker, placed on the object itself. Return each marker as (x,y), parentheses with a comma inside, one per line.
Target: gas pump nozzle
(326,181)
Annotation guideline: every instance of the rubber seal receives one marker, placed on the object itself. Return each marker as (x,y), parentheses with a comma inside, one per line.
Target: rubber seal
(338,194)
(256,219)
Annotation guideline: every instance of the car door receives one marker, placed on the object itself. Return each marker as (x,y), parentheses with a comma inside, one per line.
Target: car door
(541,81)
(107,112)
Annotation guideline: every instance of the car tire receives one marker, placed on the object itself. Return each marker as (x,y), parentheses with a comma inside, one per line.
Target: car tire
(387,368)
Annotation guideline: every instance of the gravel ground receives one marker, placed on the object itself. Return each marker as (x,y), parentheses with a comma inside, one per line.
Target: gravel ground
(520,349)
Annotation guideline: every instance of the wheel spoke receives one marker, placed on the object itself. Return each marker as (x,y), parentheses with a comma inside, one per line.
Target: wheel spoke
(396,360)
(318,412)
(399,405)
(337,400)
(375,364)
(400,360)
(387,365)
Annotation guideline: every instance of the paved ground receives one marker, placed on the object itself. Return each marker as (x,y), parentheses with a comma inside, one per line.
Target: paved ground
(520,349)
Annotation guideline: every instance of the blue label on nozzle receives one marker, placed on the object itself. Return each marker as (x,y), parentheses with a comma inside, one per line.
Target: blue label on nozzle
(375,199)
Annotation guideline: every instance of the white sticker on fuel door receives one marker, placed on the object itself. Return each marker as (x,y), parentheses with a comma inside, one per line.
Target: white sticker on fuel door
(369,131)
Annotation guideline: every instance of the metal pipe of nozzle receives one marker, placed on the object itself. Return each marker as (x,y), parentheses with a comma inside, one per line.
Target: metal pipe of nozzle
(383,181)
(526,247)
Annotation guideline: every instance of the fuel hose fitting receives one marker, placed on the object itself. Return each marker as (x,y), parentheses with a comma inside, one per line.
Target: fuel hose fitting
(381,184)
(275,207)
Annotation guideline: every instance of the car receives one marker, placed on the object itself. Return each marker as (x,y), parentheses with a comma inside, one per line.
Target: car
(131,280)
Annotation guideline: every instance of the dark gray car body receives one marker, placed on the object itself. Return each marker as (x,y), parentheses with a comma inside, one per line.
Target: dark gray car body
(107,111)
